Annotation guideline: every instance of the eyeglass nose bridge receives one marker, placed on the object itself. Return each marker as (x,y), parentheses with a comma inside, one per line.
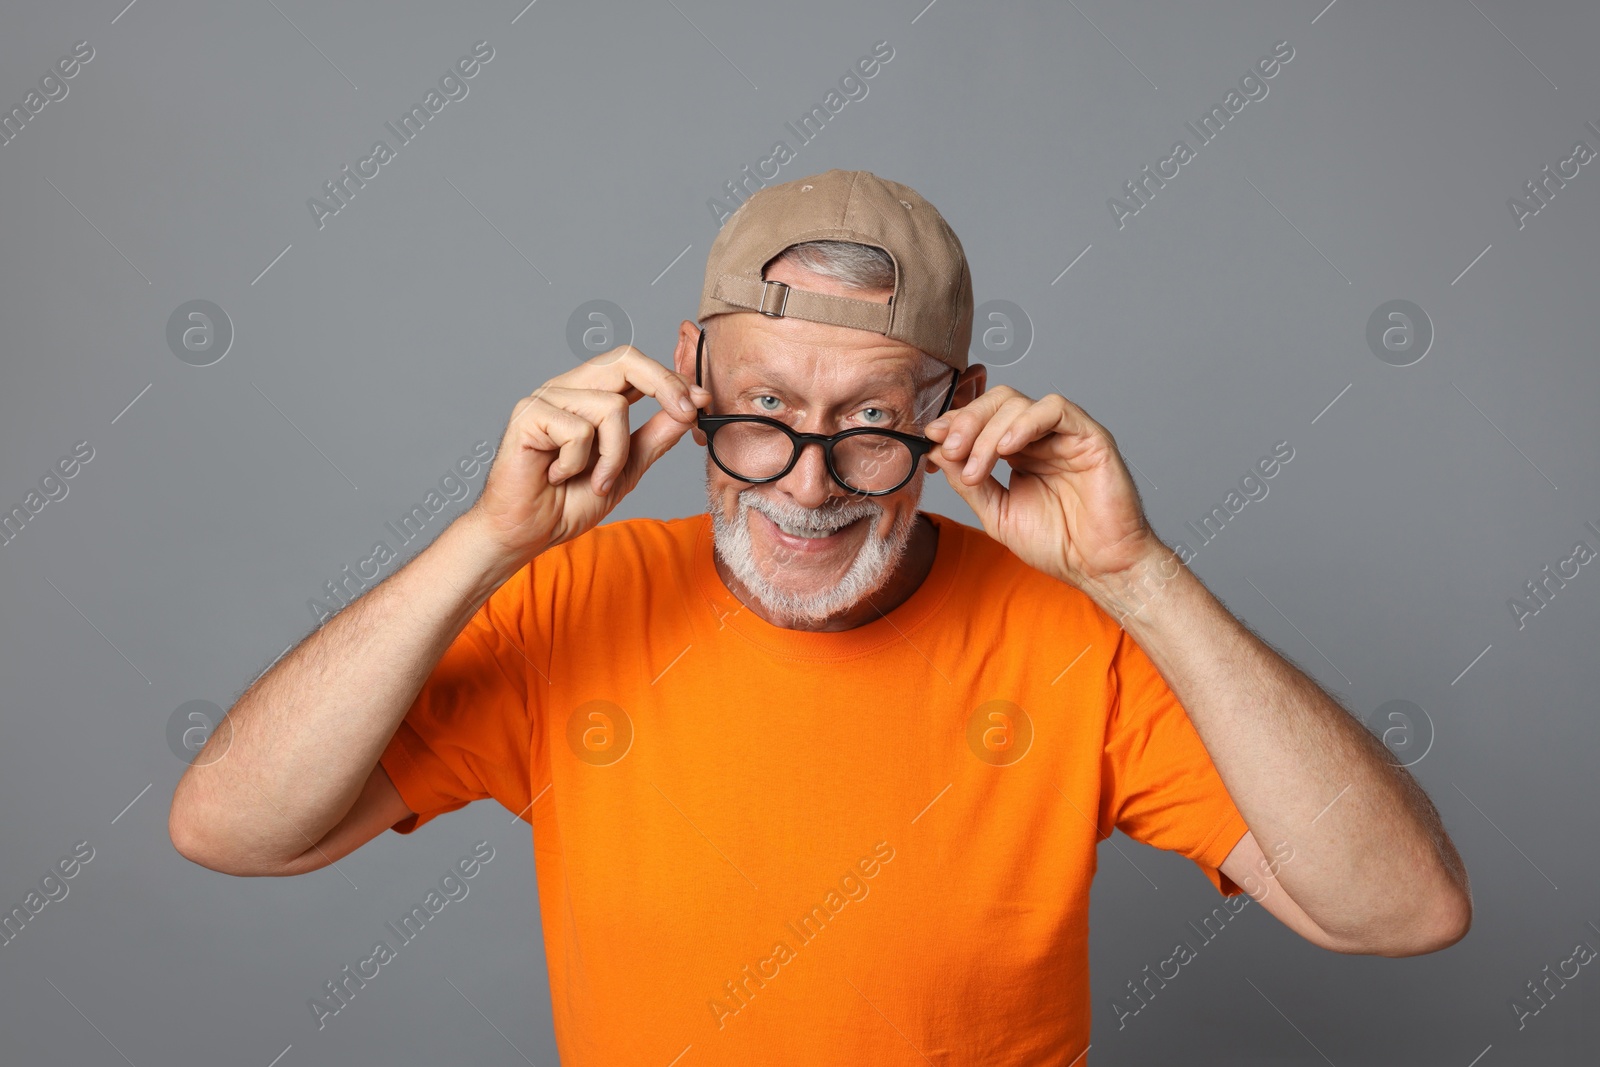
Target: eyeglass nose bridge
(822,441)
(827,442)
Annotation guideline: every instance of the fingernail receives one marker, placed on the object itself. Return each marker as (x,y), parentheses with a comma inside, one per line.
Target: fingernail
(685,405)
(603,486)
(953,440)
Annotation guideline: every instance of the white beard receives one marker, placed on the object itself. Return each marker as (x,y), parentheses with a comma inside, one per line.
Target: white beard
(874,563)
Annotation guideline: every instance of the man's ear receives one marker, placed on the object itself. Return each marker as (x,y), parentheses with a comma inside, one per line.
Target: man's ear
(683,361)
(973,381)
(683,351)
(969,386)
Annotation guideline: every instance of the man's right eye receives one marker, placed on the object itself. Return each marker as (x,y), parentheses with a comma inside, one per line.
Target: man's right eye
(761,403)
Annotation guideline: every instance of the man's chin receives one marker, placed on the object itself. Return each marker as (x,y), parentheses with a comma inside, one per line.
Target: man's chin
(793,605)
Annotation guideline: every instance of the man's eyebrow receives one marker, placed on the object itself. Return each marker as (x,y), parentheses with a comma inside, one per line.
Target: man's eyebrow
(897,388)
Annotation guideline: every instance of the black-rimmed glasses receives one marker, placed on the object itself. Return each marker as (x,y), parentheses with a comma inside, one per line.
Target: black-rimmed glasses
(864,460)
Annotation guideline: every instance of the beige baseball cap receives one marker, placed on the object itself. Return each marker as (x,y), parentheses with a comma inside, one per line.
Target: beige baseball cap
(931,308)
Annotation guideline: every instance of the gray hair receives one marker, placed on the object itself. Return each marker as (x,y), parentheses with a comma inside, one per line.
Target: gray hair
(855,266)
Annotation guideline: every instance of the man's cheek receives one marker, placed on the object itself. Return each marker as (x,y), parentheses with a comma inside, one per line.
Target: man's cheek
(725,484)
(721,488)
(905,502)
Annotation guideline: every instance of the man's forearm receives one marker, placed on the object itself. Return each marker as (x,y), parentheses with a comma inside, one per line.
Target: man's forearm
(1371,859)
(292,754)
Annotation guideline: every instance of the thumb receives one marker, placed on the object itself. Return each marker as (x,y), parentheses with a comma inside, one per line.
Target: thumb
(984,498)
(647,444)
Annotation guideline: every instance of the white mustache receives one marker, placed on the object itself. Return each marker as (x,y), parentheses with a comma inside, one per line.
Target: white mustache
(821,520)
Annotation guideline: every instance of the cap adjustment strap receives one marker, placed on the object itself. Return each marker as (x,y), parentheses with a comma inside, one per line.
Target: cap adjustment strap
(776,299)
(766,286)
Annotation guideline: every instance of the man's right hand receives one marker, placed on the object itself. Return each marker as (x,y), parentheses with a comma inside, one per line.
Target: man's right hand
(301,764)
(567,458)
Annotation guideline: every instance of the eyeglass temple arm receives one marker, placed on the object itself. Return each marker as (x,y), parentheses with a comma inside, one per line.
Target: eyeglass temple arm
(955,375)
(699,346)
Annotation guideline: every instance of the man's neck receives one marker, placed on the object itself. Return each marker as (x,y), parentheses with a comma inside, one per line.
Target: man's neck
(908,576)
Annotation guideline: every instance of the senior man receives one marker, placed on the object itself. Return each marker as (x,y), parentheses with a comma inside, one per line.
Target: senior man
(817,776)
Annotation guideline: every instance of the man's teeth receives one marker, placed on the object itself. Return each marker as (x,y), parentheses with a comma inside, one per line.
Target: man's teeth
(802,531)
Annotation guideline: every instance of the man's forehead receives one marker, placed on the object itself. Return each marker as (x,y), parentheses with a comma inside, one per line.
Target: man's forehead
(790,352)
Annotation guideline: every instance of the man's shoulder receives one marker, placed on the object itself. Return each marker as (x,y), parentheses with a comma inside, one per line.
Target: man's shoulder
(645,532)
(989,571)
(612,547)
(985,558)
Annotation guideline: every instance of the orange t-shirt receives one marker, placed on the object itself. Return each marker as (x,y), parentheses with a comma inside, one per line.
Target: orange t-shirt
(775,846)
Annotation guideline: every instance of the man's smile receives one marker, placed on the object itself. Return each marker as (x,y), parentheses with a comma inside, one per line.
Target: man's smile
(805,538)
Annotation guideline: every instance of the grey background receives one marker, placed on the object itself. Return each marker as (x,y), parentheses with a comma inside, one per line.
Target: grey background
(1228,315)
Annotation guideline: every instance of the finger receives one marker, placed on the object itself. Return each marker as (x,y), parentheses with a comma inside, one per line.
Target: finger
(630,367)
(1073,421)
(647,444)
(983,454)
(614,443)
(957,430)
(1041,419)
(564,386)
(546,428)
(608,414)
(697,393)
(574,455)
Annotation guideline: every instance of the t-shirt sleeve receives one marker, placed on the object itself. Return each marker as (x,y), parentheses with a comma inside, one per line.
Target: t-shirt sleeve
(1160,786)
(469,733)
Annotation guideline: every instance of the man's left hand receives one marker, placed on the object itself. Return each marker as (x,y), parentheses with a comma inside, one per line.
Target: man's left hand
(1071,509)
